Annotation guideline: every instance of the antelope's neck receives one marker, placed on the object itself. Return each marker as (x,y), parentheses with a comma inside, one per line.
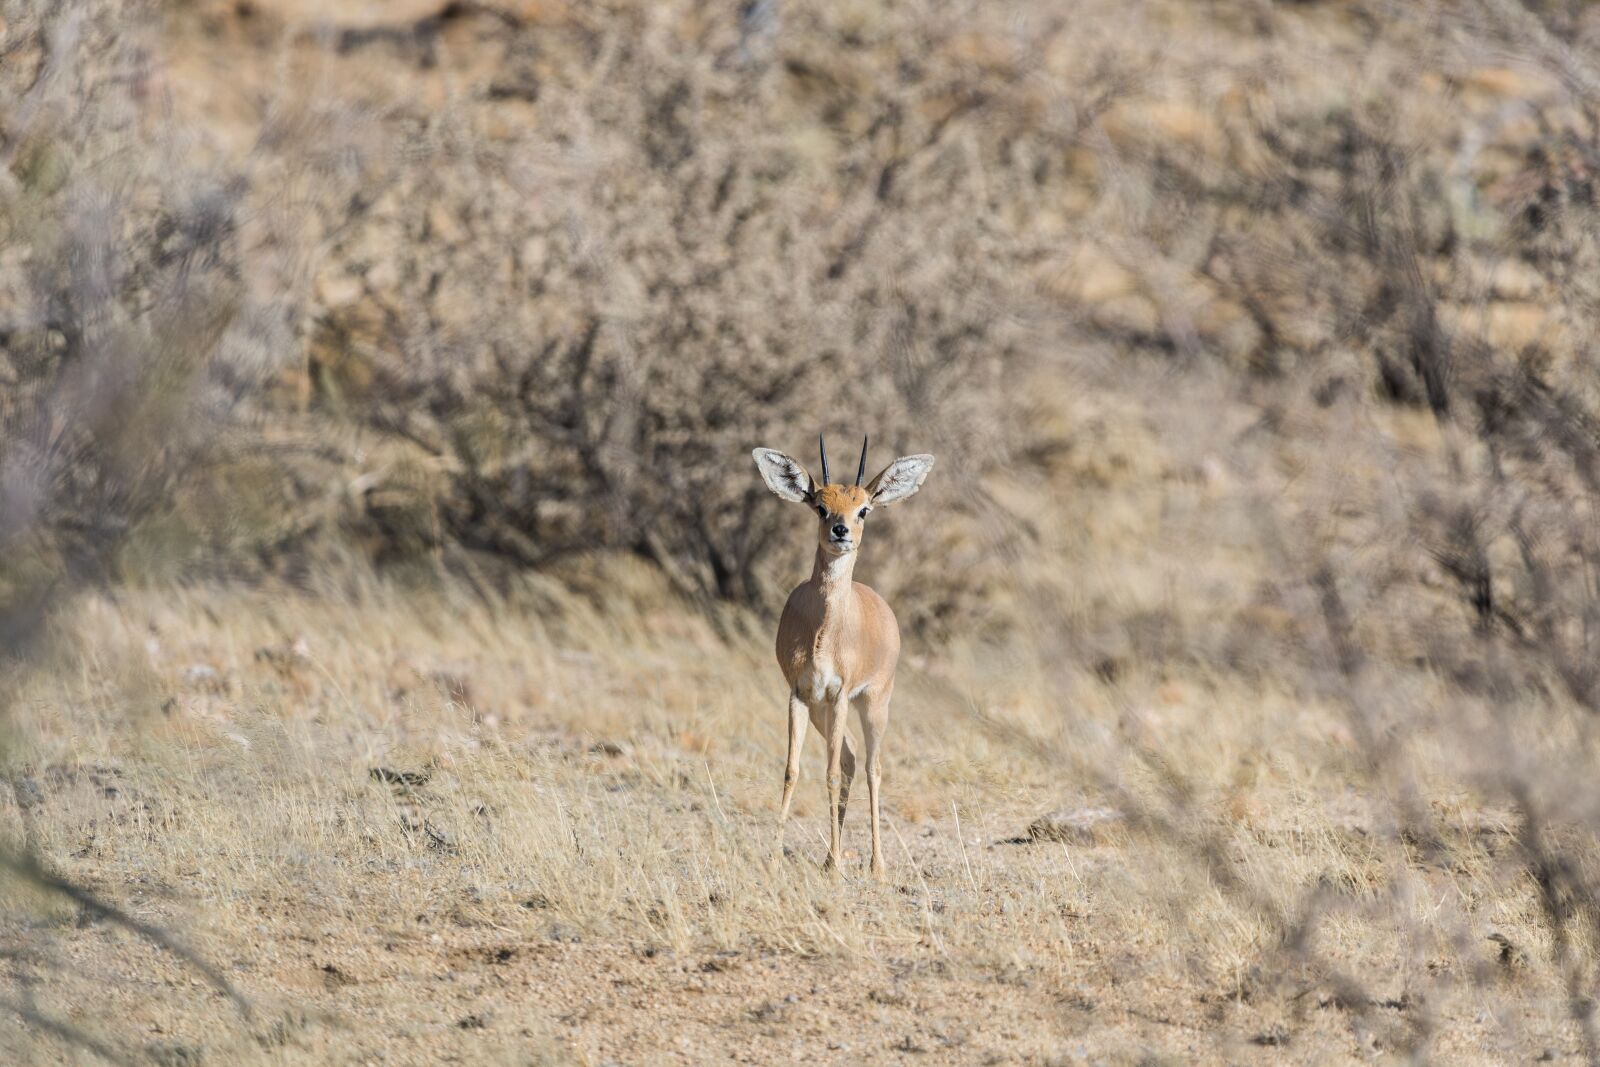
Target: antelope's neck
(832,575)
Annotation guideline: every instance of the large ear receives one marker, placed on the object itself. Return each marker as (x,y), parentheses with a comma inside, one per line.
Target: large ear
(900,479)
(783,475)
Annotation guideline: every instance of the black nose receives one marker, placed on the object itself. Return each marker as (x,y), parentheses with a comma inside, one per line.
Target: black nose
(840,529)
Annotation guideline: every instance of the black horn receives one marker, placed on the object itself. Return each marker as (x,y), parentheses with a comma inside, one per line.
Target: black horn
(822,446)
(861,468)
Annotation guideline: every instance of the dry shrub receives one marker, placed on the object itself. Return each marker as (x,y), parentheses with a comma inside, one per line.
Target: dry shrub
(1415,257)
(151,290)
(124,328)
(684,250)
(126,340)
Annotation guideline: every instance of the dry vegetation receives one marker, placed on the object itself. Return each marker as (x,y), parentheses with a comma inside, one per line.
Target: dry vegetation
(385,591)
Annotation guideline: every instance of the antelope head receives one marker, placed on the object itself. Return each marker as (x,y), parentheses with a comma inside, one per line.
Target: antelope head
(841,509)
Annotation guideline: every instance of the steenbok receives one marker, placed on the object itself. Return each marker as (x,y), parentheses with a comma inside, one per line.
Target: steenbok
(837,640)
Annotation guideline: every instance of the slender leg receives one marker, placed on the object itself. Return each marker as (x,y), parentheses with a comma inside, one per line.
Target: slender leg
(837,716)
(847,759)
(874,724)
(791,771)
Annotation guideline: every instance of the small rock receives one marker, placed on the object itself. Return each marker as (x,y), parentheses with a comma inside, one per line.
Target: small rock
(1511,958)
(29,795)
(1075,826)
(174,1055)
(1272,1037)
(202,676)
(334,978)
(285,658)
(438,838)
(409,779)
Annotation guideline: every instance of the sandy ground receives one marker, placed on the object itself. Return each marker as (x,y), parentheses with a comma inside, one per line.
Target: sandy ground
(537,855)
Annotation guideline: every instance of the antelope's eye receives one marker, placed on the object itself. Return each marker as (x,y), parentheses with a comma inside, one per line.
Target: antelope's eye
(822,511)
(863,513)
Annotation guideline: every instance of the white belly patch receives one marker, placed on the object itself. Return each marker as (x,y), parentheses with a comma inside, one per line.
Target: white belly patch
(821,687)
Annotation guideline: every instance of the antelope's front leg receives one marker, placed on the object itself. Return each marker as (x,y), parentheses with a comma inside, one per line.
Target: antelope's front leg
(838,715)
(791,770)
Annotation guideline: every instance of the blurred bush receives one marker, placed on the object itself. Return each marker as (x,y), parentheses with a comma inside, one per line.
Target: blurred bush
(127,332)
(497,286)
(584,322)
(548,316)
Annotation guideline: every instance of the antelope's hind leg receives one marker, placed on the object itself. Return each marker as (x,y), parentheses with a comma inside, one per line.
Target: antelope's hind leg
(874,710)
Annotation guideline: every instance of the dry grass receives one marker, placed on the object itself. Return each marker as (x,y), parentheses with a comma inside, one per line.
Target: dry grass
(573,855)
